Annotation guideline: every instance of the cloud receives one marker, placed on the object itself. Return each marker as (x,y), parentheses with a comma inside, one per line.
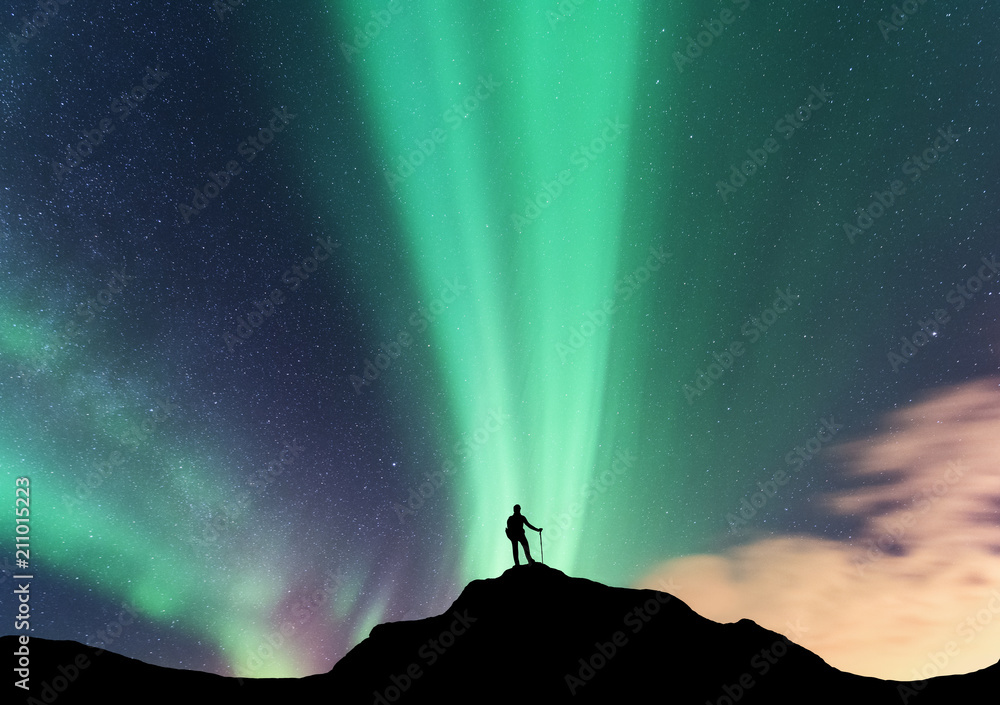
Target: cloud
(916,592)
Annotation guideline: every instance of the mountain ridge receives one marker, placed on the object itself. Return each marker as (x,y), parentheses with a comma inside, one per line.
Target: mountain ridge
(534,634)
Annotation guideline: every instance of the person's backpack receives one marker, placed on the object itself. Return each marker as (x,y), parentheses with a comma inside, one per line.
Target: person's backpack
(512,528)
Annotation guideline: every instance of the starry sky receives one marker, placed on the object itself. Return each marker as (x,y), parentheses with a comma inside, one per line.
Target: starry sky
(298,299)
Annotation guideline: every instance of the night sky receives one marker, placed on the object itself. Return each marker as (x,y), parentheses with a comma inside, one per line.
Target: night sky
(299,298)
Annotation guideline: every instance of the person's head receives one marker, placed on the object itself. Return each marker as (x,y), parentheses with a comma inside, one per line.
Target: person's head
(517,508)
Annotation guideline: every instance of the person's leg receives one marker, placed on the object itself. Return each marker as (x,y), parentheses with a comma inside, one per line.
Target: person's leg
(513,545)
(527,551)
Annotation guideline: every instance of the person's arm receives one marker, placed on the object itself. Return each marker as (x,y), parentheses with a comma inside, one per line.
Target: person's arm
(528,524)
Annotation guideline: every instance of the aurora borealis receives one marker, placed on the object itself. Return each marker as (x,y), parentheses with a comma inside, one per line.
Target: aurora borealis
(298,299)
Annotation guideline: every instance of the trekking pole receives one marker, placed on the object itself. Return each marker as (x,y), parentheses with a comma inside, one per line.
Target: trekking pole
(541,545)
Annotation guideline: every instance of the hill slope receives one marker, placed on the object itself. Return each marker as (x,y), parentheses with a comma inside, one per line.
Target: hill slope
(531,635)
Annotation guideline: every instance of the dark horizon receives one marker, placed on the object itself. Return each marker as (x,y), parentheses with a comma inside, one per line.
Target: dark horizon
(601,642)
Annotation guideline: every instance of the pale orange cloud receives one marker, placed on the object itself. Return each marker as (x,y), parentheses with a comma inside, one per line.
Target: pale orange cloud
(917,592)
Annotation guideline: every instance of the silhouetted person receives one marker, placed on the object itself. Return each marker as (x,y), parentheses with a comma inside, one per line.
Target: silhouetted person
(515,532)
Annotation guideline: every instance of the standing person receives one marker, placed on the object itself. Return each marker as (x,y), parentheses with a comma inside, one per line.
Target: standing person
(515,532)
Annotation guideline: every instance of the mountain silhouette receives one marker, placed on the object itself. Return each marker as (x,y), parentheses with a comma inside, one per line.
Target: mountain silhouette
(531,635)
